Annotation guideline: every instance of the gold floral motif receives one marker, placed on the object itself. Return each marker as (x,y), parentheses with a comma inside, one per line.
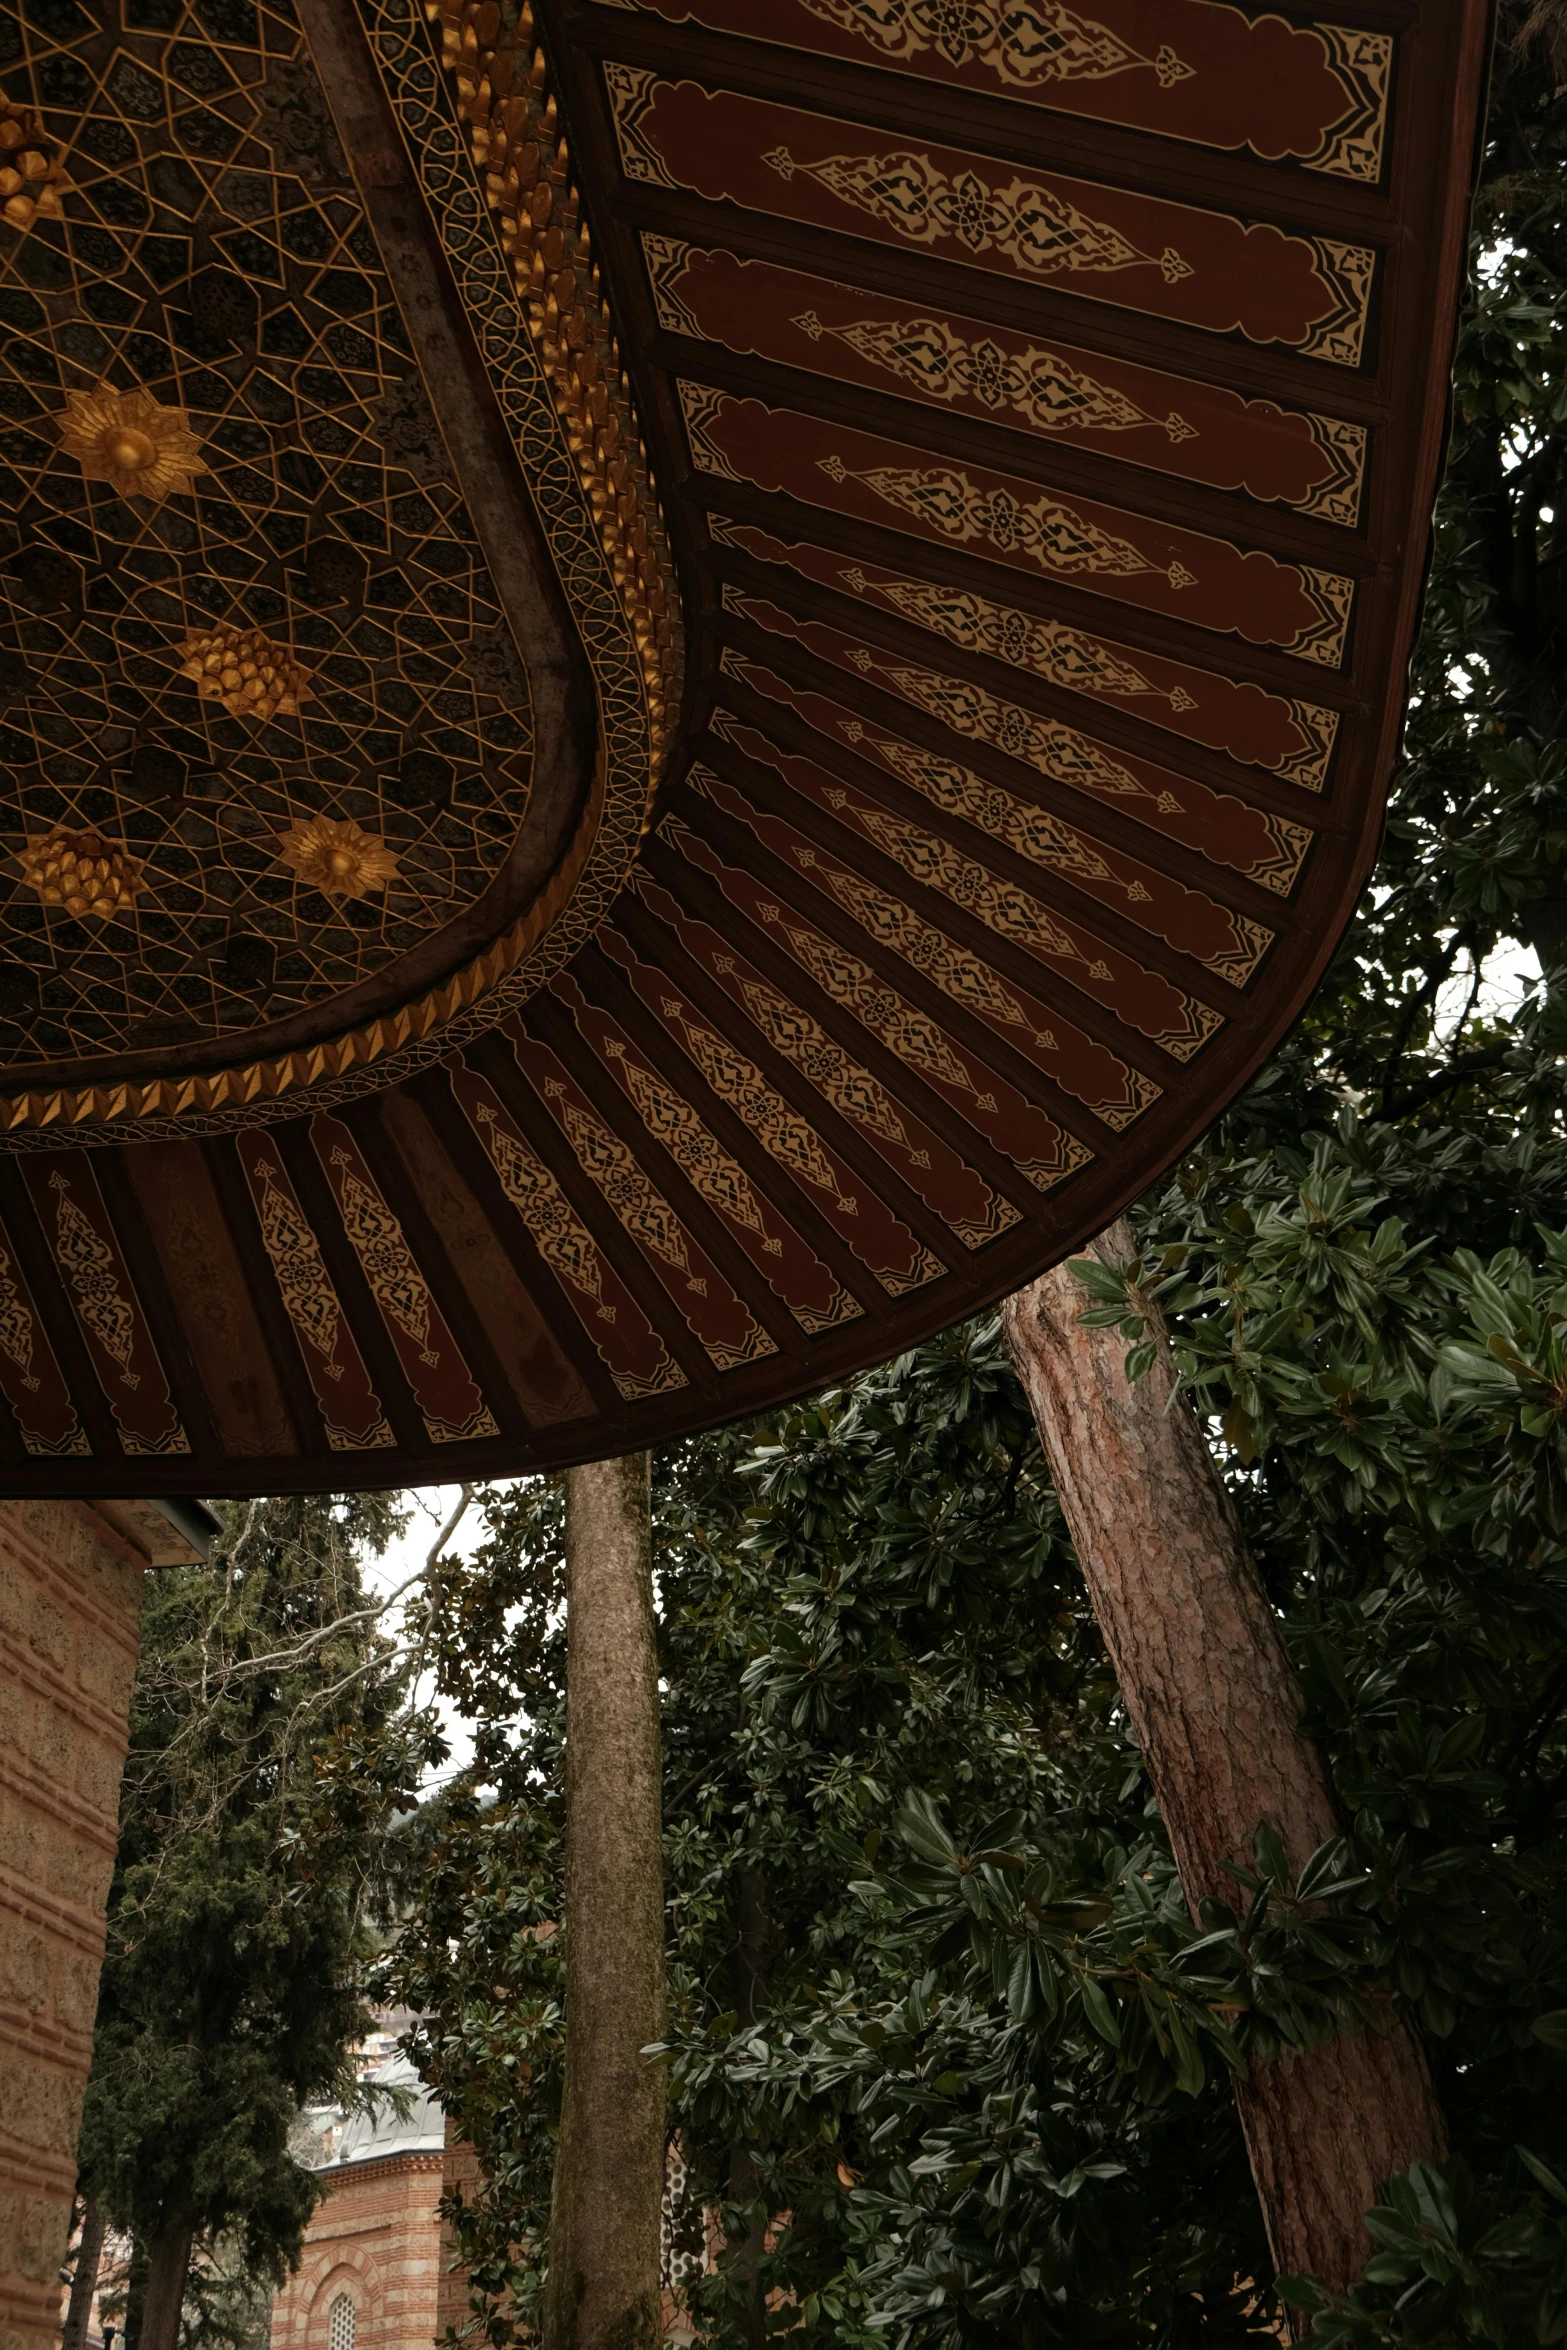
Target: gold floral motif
(1023,44)
(957,971)
(128,439)
(1346,273)
(1332,598)
(32,181)
(858,1096)
(958,974)
(16,1343)
(842,1080)
(16,1328)
(962,881)
(296,1259)
(1029,225)
(721,1180)
(1032,832)
(563,1241)
(1054,536)
(912,1035)
(1363,62)
(1011,913)
(399,1288)
(559,1234)
(971,710)
(790,1139)
(335,856)
(1082,664)
(1337,498)
(701,407)
(310,1301)
(1318,732)
(503,95)
(89,1262)
(244,670)
(632,90)
(1057,751)
(644,1211)
(81,872)
(396,1282)
(647,1215)
(716,1177)
(1047,391)
(666,259)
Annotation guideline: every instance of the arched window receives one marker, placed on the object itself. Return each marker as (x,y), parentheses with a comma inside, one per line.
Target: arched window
(340,2324)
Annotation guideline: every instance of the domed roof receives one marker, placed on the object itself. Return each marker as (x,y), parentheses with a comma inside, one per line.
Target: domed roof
(382,2131)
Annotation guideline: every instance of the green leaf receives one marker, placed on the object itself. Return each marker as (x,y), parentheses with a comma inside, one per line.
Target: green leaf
(1100,2012)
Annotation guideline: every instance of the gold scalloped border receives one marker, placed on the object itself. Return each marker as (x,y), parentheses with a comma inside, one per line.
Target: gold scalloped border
(504,97)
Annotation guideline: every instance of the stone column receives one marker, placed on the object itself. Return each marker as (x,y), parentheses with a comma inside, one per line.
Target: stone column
(70,1581)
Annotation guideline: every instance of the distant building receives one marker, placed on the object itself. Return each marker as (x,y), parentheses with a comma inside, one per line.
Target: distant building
(379,2271)
(376,2268)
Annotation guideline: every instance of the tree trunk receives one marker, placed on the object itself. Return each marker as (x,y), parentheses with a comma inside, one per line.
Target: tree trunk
(1213,1702)
(602,2291)
(84,2278)
(750,2000)
(163,2297)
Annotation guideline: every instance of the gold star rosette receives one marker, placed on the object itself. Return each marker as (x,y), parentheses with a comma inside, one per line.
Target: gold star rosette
(337,857)
(32,181)
(245,670)
(131,441)
(81,872)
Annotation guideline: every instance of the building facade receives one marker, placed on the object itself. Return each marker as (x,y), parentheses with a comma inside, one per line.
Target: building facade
(375,2270)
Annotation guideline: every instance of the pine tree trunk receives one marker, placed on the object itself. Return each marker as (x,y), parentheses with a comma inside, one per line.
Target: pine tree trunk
(163,2298)
(1213,1702)
(84,2278)
(603,2287)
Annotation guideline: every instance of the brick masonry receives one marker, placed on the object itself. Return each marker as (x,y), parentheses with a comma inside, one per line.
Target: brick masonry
(70,1580)
(377,2239)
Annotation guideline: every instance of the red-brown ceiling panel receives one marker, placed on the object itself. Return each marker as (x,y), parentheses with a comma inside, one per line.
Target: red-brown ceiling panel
(680,684)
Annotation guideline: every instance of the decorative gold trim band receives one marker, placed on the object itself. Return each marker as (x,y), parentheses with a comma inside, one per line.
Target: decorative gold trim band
(505,99)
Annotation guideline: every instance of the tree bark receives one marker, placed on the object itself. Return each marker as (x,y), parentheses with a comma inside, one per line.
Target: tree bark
(747,2254)
(1213,1702)
(84,2278)
(163,2297)
(602,2291)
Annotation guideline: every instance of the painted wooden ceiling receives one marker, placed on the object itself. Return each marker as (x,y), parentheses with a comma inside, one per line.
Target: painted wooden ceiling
(680,685)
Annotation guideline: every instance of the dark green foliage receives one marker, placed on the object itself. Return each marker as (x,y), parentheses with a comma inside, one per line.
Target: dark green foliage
(877,1597)
(246,1873)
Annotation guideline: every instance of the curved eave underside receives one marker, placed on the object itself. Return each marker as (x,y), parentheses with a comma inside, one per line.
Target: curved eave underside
(1048,463)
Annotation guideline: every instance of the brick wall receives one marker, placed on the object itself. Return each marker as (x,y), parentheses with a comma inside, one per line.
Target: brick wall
(70,1579)
(377,2239)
